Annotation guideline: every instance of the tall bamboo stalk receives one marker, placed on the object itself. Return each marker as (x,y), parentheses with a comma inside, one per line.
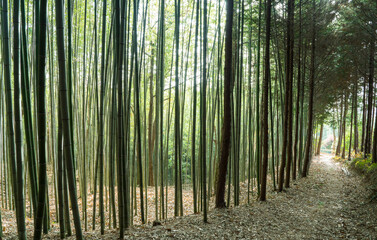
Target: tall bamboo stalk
(63,90)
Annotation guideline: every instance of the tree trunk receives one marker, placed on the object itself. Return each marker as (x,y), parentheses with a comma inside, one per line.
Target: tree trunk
(368,133)
(69,159)
(311,98)
(151,126)
(356,131)
(364,116)
(18,122)
(265,103)
(41,121)
(177,155)
(296,154)
(60,174)
(350,137)
(203,104)
(320,141)
(226,129)
(13,158)
(340,132)
(344,125)
(371,76)
(334,141)
(290,72)
(374,153)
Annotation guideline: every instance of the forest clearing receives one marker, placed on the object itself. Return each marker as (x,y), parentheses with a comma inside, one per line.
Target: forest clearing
(188,119)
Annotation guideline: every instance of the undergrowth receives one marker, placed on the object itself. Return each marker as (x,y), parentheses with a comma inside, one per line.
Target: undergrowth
(368,169)
(364,165)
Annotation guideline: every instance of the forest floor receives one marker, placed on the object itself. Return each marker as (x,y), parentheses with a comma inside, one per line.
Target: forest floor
(332,203)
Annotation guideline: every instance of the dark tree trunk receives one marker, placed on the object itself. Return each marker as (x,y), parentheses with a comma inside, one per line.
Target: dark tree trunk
(344,125)
(226,129)
(285,134)
(265,103)
(151,126)
(305,169)
(296,154)
(356,132)
(340,132)
(18,122)
(290,76)
(368,133)
(41,121)
(371,76)
(374,153)
(68,145)
(60,174)
(364,115)
(350,137)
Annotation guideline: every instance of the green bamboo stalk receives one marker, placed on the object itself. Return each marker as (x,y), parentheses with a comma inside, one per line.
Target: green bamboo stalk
(101,120)
(17,112)
(257,152)
(193,147)
(69,160)
(177,6)
(26,101)
(84,126)
(203,104)
(60,166)
(41,120)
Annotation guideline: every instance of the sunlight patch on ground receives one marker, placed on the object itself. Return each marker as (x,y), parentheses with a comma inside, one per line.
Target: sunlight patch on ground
(325,160)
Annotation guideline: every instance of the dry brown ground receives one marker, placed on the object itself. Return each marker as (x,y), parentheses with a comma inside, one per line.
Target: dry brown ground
(329,204)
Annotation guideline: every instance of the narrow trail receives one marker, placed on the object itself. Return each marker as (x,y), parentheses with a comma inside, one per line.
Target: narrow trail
(329,204)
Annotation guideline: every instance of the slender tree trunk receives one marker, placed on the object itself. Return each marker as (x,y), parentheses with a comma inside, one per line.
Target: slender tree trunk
(340,132)
(301,145)
(257,152)
(151,126)
(298,125)
(350,137)
(69,159)
(226,128)
(374,148)
(290,72)
(193,146)
(355,123)
(13,149)
(265,103)
(18,122)
(41,120)
(344,125)
(101,121)
(364,116)
(311,97)
(371,77)
(137,116)
(203,104)
(368,133)
(60,174)
(177,148)
(319,140)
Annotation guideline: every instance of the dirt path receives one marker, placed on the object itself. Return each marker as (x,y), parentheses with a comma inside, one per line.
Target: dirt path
(329,204)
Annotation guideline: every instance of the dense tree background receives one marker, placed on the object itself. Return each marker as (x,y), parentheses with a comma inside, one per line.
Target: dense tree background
(113,110)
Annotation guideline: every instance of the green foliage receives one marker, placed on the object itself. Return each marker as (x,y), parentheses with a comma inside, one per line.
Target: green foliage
(365,165)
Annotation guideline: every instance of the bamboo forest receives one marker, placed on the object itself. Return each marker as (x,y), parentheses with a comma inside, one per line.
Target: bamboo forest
(188,119)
